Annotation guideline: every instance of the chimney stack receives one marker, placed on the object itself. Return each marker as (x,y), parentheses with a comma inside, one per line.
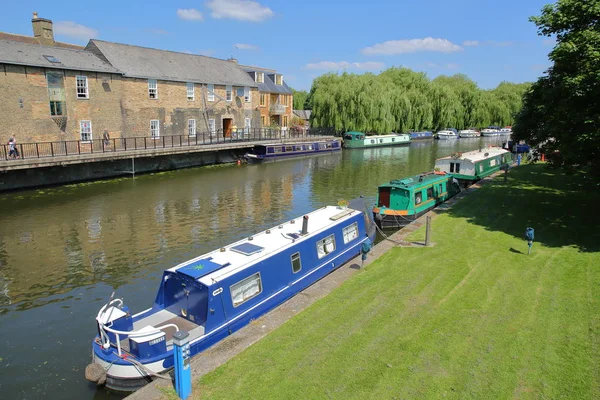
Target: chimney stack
(42,30)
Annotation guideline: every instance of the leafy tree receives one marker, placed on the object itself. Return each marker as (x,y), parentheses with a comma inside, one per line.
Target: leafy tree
(561,111)
(300,97)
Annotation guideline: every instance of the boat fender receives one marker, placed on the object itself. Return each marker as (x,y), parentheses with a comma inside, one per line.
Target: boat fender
(95,373)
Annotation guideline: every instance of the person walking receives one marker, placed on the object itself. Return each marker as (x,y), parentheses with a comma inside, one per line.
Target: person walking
(13,152)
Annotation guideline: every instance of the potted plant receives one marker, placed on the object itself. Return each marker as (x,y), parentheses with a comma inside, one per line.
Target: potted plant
(343,204)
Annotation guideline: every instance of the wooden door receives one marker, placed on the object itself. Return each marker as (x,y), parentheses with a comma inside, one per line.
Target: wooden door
(227,123)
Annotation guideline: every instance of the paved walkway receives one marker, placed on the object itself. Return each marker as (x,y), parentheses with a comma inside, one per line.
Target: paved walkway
(228,348)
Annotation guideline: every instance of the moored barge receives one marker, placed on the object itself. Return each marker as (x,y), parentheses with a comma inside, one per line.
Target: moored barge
(358,140)
(277,151)
(474,165)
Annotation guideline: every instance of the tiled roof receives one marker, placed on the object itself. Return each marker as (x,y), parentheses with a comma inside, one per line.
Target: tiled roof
(268,85)
(32,40)
(20,53)
(142,62)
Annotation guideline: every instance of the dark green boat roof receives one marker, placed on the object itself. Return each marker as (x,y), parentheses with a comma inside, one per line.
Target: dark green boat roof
(417,180)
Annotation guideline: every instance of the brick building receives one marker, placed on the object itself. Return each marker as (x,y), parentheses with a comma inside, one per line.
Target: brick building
(276,98)
(55,91)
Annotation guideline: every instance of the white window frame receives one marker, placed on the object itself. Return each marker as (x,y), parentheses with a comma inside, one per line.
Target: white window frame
(212,126)
(210,88)
(85,130)
(322,246)
(191,127)
(260,77)
(190,90)
(152,89)
(247,94)
(297,257)
(278,78)
(228,93)
(82,79)
(246,282)
(247,125)
(155,130)
(350,232)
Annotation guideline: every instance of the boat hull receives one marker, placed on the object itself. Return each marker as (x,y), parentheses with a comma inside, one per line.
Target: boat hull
(254,159)
(421,135)
(397,221)
(378,141)
(447,137)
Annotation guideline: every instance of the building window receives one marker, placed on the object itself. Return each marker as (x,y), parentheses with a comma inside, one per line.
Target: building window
(247,125)
(296,263)
(191,127)
(246,289)
(240,91)
(211,92)
(285,121)
(263,99)
(152,89)
(263,120)
(212,127)
(190,91)
(85,131)
(56,93)
(228,93)
(260,77)
(247,98)
(279,79)
(82,87)
(325,246)
(350,233)
(154,129)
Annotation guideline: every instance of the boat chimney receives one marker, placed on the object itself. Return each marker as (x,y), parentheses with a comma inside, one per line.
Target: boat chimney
(305,225)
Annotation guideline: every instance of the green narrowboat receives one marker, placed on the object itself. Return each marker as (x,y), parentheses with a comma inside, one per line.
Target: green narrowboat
(400,202)
(474,165)
(358,140)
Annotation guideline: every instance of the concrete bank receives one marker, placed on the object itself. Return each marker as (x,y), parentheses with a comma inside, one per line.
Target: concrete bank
(47,171)
(228,348)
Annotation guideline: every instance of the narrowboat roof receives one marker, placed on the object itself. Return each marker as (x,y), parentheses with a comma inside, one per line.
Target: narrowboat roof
(221,263)
(478,155)
(354,133)
(417,180)
(297,143)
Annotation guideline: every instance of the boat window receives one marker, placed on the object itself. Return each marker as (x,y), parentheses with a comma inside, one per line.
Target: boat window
(418,198)
(457,168)
(481,167)
(296,263)
(372,141)
(492,162)
(309,147)
(350,233)
(277,149)
(289,148)
(348,137)
(430,193)
(380,140)
(441,189)
(270,150)
(451,167)
(322,146)
(246,289)
(325,246)
(393,139)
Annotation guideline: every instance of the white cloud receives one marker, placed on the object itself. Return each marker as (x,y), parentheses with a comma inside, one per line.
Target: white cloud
(246,46)
(73,30)
(243,10)
(392,47)
(470,43)
(190,14)
(332,65)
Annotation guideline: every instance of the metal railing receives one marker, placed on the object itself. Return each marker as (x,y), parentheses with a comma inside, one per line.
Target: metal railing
(79,147)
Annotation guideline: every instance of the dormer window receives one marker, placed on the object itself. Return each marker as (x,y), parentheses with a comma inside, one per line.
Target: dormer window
(279,79)
(260,77)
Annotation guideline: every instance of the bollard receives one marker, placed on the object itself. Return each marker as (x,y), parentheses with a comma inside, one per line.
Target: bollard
(181,358)
(428,231)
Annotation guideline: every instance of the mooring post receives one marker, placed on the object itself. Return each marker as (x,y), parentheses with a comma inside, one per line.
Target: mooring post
(133,167)
(428,231)
(183,372)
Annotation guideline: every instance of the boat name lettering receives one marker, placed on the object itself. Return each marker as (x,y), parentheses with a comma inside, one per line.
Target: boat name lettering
(160,339)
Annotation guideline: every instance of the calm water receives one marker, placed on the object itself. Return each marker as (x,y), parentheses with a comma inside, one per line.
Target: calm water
(64,250)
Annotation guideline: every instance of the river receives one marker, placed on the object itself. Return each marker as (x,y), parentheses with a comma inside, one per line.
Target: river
(63,250)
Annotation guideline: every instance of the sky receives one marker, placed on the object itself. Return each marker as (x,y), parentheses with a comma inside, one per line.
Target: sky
(488,40)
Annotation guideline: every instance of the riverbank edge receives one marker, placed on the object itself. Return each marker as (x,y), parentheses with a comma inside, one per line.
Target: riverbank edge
(233,345)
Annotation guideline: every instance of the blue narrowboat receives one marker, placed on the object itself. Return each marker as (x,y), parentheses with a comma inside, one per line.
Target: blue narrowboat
(271,152)
(421,135)
(215,294)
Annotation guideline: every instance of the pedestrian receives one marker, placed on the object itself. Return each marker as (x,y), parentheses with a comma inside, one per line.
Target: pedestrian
(106,138)
(13,152)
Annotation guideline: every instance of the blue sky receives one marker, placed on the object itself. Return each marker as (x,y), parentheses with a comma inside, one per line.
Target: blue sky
(490,41)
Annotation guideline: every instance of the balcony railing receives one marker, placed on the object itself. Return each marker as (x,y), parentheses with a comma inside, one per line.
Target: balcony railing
(78,147)
(277,109)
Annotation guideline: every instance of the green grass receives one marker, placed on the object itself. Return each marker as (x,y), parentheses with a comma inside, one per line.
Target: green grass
(472,317)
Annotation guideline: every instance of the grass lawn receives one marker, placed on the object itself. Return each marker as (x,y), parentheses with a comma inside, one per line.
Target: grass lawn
(472,317)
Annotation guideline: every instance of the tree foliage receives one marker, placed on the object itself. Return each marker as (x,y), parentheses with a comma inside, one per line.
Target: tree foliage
(300,99)
(402,100)
(561,111)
